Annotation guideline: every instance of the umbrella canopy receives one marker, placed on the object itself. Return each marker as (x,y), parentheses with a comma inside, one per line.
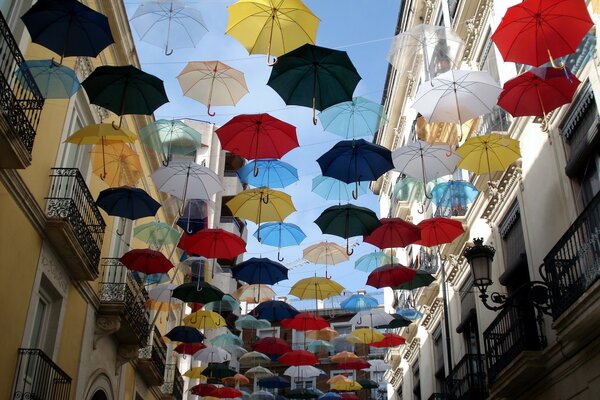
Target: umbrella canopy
(212,355)
(453,195)
(390,275)
(254,293)
(317,288)
(226,339)
(314,77)
(185,334)
(305,321)
(333,189)
(163,293)
(371,318)
(359,364)
(189,348)
(203,319)
(274,382)
(260,270)
(197,292)
(304,393)
(170,137)
(127,202)
(327,253)
(330,396)
(227,303)
(378,365)
(213,243)
(68,28)
(532,32)
(254,357)
(349,386)
(169,24)
(425,161)
(187,180)
(280,234)
(421,279)
(488,153)
(343,356)
(409,313)
(439,230)
(271,345)
(367,383)
(390,340)
(322,334)
(369,262)
(274,310)
(393,232)
(271,173)
(202,389)
(226,392)
(146,261)
(367,336)
(212,83)
(54,80)
(237,379)
(297,358)
(349,396)
(262,395)
(271,28)
(359,302)
(351,119)
(317,346)
(116,164)
(156,233)
(303,371)
(398,322)
(538,91)
(249,322)
(258,371)
(217,370)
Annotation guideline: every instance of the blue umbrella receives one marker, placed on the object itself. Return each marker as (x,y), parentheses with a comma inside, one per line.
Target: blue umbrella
(274,310)
(260,270)
(453,195)
(334,189)
(185,334)
(330,396)
(280,234)
(54,80)
(127,202)
(274,382)
(353,161)
(194,216)
(409,313)
(371,261)
(359,302)
(271,173)
(352,119)
(152,279)
(317,346)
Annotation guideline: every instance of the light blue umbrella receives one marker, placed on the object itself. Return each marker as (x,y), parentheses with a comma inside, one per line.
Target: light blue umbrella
(334,189)
(271,173)
(280,234)
(359,302)
(226,339)
(371,261)
(227,303)
(54,80)
(409,313)
(249,322)
(330,396)
(170,137)
(317,346)
(453,194)
(352,119)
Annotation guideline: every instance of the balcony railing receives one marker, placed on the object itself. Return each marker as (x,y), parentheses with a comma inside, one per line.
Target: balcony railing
(20,99)
(178,386)
(237,222)
(71,202)
(37,377)
(497,120)
(467,378)
(152,360)
(514,330)
(573,264)
(173,386)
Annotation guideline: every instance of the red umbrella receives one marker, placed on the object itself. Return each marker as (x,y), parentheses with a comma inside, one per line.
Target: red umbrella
(189,348)
(538,91)
(348,396)
(213,243)
(203,389)
(304,322)
(534,31)
(271,345)
(354,364)
(439,230)
(146,261)
(391,340)
(393,232)
(298,358)
(225,392)
(390,275)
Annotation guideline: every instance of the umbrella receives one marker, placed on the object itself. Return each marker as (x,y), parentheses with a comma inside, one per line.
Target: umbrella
(439,230)
(163,294)
(254,293)
(212,355)
(156,233)
(226,392)
(262,395)
(194,218)
(343,356)
(169,24)
(258,371)
(304,393)
(371,318)
(393,232)
(226,339)
(315,77)
(352,119)
(280,234)
(170,137)
(54,80)
(369,262)
(355,161)
(367,336)
(185,334)
(297,358)
(125,90)
(398,322)
(261,204)
(488,153)
(322,334)
(271,173)
(260,270)
(237,379)
(271,28)
(116,163)
(202,389)
(409,313)
(390,340)
(127,202)
(303,371)
(349,386)
(318,346)
(330,396)
(212,83)
(271,345)
(193,292)
(146,261)
(189,348)
(349,396)
(533,31)
(359,302)
(68,28)
(227,303)
(390,275)
(213,243)
(378,365)
(318,288)
(305,321)
(368,383)
(538,91)
(249,322)
(407,188)
(359,364)
(457,96)
(421,279)
(347,221)
(203,319)
(274,310)
(254,357)
(218,370)
(438,46)
(274,382)
(453,195)
(327,253)
(333,189)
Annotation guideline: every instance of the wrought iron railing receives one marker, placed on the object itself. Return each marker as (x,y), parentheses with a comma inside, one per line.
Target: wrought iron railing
(573,264)
(156,352)
(20,97)
(514,330)
(37,377)
(71,200)
(467,378)
(119,286)
(239,224)
(167,387)
(178,385)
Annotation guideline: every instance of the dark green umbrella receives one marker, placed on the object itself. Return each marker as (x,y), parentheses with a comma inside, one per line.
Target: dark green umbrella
(197,292)
(314,76)
(302,393)
(398,322)
(125,90)
(219,371)
(421,279)
(367,383)
(347,221)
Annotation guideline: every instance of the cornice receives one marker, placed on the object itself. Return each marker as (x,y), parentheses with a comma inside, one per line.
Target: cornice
(474,25)
(412,350)
(433,315)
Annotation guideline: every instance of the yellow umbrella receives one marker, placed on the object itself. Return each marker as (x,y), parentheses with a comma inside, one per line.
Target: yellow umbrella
(367,335)
(343,356)
(352,339)
(256,293)
(338,379)
(322,334)
(116,163)
(316,288)
(260,205)
(203,319)
(350,386)
(488,153)
(272,26)
(195,373)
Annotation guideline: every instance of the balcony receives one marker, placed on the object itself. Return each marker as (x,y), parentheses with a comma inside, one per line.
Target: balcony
(37,377)
(74,225)
(172,389)
(151,360)
(231,224)
(122,311)
(21,104)
(467,381)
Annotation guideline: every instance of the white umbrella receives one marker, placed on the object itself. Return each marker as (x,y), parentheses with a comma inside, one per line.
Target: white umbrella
(304,371)
(378,366)
(187,180)
(212,355)
(258,372)
(235,350)
(163,293)
(425,161)
(254,357)
(262,395)
(371,318)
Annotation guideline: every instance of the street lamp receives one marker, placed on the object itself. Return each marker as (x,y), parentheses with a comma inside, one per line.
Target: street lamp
(480,259)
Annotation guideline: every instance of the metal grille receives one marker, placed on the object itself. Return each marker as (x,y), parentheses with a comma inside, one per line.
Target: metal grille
(38,378)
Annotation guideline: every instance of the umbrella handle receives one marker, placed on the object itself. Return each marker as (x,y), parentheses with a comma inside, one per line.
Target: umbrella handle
(279,258)
(314,110)
(167,51)
(269,63)
(450,147)
(265,199)
(122,232)
(212,114)
(422,209)
(255,170)
(117,127)
(355,191)
(348,250)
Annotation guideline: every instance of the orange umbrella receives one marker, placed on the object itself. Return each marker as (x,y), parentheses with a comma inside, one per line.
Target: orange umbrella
(116,163)
(344,356)
(237,379)
(322,334)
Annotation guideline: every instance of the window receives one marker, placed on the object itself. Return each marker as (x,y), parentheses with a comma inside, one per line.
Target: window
(298,340)
(468,324)
(513,244)
(75,155)
(303,383)
(416,374)
(347,373)
(267,332)
(438,358)
(46,318)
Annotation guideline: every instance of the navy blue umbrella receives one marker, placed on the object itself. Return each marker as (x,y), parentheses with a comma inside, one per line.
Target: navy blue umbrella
(185,334)
(127,202)
(274,310)
(274,382)
(352,161)
(260,270)
(194,216)
(68,28)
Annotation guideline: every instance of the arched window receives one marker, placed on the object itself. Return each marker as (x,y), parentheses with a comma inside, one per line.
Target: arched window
(99,395)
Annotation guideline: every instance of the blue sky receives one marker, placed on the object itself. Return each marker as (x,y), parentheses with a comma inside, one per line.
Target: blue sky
(364,29)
